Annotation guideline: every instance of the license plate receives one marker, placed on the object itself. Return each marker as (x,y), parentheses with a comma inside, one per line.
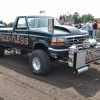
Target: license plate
(92,55)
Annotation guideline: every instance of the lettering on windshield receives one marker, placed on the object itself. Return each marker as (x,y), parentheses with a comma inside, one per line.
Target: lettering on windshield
(14,38)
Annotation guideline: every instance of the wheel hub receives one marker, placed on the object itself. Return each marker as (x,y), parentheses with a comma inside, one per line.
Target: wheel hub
(36,63)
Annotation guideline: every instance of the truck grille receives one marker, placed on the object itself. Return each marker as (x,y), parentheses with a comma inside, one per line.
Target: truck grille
(75,40)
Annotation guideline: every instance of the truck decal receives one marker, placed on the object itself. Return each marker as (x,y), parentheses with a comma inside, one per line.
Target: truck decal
(92,55)
(14,39)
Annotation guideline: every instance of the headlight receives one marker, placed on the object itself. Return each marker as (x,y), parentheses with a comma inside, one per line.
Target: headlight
(58,41)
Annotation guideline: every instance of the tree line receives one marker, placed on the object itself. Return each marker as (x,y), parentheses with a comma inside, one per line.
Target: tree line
(83,18)
(6,25)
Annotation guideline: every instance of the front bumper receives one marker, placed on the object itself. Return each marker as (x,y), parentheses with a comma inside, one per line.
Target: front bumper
(58,52)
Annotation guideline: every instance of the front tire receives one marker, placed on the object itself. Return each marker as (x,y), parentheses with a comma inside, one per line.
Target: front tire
(40,62)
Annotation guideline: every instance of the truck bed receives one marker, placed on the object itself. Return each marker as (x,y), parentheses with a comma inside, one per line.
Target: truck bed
(6,29)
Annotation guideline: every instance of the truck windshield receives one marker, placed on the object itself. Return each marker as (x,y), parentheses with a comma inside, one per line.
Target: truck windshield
(40,22)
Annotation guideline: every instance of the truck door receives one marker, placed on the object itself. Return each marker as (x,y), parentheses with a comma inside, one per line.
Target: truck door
(20,33)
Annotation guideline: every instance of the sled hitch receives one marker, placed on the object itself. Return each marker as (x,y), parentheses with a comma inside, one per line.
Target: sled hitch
(80,59)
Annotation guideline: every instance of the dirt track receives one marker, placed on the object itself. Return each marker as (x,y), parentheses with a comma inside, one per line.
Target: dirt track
(18,83)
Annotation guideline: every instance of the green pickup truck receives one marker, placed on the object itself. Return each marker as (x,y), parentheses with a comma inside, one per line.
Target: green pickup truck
(30,34)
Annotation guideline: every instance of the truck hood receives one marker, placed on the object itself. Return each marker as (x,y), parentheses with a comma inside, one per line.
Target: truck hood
(69,30)
(60,30)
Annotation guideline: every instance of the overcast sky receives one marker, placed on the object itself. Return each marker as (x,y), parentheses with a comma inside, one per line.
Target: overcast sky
(9,9)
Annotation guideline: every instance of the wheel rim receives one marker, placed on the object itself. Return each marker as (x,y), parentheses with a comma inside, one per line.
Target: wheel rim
(36,63)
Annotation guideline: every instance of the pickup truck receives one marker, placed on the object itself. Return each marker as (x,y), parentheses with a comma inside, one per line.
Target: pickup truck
(30,34)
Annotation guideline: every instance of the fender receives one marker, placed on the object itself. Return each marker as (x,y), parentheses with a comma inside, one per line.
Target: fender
(41,41)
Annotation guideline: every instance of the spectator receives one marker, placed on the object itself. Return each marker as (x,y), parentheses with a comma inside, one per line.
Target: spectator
(60,21)
(68,14)
(95,29)
(79,26)
(76,25)
(65,23)
(84,26)
(63,19)
(88,27)
(65,16)
(60,17)
(91,28)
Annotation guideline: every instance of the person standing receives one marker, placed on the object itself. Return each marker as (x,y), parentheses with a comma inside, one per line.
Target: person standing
(91,28)
(84,26)
(68,14)
(95,29)
(88,27)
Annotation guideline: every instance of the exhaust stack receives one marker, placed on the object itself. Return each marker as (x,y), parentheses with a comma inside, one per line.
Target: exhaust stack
(81,70)
(51,25)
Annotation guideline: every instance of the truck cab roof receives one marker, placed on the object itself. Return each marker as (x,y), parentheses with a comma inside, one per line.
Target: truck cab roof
(38,16)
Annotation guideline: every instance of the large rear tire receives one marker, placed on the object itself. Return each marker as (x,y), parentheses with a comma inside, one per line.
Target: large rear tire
(40,62)
(1,51)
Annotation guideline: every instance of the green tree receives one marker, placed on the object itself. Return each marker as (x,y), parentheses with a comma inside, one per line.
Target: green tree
(1,22)
(98,19)
(5,24)
(86,17)
(10,24)
(76,17)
